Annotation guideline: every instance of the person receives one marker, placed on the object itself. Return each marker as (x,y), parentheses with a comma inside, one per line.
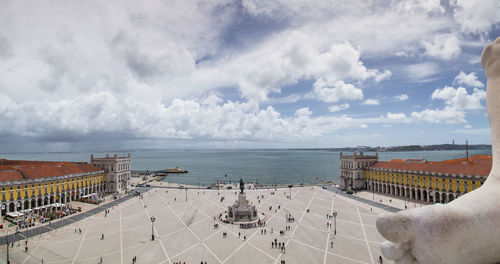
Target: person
(102,237)
(380,260)
(100,260)
(239,234)
(331,244)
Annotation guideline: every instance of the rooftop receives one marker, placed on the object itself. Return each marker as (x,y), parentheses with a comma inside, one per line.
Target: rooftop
(16,170)
(476,165)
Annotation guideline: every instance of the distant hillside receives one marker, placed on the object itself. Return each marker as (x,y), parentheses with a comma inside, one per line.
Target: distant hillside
(407,148)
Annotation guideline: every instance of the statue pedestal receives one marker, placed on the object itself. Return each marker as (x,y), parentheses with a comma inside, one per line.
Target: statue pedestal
(241,210)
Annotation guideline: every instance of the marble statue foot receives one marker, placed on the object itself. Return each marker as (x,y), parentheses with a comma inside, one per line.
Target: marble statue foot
(466,230)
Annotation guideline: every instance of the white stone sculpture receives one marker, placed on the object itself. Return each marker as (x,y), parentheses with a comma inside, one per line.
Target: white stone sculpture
(466,230)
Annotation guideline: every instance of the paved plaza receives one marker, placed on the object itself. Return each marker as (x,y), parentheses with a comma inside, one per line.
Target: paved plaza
(184,231)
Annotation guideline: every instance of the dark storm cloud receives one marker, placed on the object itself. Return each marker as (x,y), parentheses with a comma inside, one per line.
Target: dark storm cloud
(57,70)
(6,50)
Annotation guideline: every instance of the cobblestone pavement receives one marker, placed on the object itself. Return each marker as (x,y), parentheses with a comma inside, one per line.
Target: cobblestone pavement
(184,231)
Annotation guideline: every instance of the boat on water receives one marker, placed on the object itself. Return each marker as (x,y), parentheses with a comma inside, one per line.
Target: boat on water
(175,170)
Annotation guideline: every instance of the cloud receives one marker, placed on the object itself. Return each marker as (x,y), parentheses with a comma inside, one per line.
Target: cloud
(6,50)
(97,114)
(445,46)
(397,117)
(436,116)
(421,70)
(401,97)
(468,79)
(303,112)
(292,98)
(383,76)
(476,16)
(290,57)
(57,69)
(371,102)
(328,92)
(149,71)
(336,108)
(284,59)
(148,60)
(459,99)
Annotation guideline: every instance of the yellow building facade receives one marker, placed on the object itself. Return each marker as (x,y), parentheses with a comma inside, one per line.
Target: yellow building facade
(432,182)
(31,185)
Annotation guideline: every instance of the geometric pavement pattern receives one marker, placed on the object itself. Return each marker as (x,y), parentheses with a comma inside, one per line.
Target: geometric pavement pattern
(184,231)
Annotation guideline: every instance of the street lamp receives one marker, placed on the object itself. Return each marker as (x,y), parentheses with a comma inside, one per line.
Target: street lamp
(290,187)
(152,228)
(335,222)
(186,194)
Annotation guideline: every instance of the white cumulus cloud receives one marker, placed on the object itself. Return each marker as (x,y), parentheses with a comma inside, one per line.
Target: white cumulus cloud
(336,108)
(446,46)
(371,102)
(468,79)
(421,70)
(476,16)
(328,92)
(401,97)
(459,99)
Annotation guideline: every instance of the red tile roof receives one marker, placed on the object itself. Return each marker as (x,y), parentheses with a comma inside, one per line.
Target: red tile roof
(477,165)
(11,170)
(10,175)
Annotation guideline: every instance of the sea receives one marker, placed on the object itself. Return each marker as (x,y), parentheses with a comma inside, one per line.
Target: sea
(206,167)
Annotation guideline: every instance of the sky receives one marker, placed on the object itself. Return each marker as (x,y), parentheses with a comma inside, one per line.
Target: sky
(115,75)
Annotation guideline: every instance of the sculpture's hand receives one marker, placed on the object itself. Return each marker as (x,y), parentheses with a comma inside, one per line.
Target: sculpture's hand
(399,229)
